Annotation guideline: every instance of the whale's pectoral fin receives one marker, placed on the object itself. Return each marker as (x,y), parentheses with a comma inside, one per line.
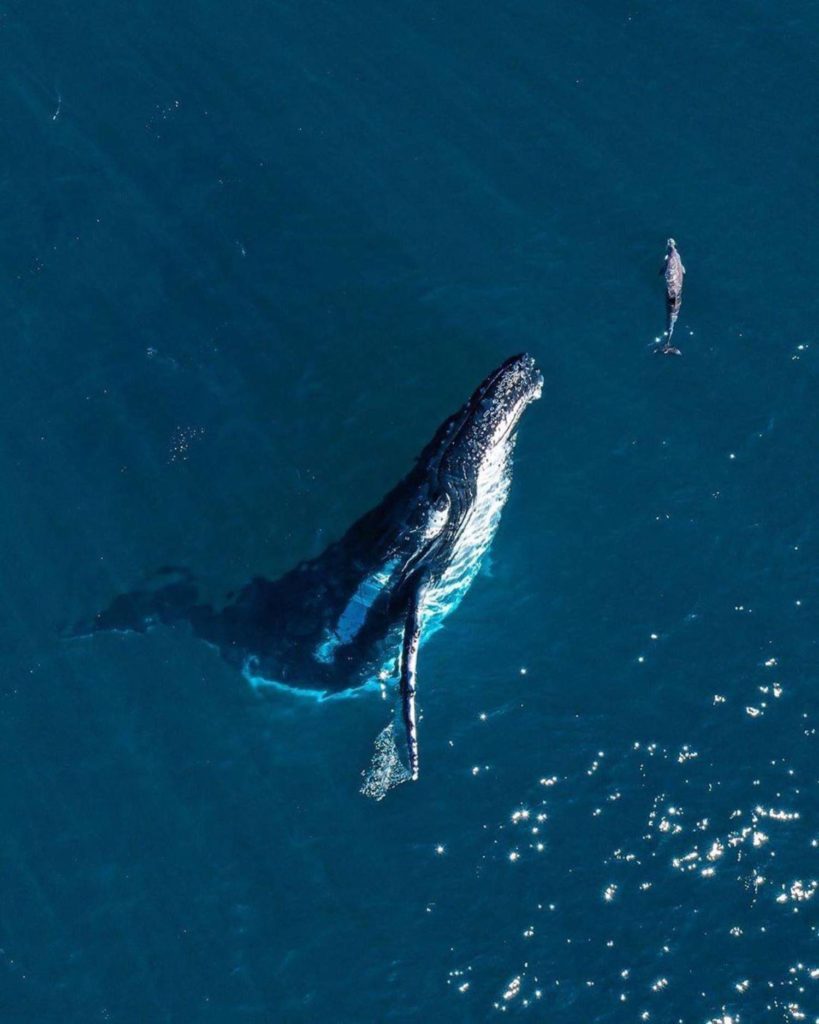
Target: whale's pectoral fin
(409,661)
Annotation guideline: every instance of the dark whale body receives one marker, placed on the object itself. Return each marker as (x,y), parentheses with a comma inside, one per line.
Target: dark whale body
(359,612)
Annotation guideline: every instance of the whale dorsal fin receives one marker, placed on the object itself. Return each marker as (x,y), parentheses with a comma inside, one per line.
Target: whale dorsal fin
(409,662)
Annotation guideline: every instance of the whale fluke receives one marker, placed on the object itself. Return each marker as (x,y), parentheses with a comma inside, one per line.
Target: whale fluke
(358,614)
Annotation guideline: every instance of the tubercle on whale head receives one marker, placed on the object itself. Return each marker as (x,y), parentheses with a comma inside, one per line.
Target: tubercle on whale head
(515,381)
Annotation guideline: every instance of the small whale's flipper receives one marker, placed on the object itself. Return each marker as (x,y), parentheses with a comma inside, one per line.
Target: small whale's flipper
(409,661)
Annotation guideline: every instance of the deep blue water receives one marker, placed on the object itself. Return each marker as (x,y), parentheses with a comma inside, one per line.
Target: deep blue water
(252,254)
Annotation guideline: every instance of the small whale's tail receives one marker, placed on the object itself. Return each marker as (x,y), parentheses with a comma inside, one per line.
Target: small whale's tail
(672,311)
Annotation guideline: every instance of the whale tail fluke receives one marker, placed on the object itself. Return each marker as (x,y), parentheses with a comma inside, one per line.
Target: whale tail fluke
(672,310)
(168,597)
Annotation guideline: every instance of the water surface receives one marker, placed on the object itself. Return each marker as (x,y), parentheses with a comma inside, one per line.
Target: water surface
(252,255)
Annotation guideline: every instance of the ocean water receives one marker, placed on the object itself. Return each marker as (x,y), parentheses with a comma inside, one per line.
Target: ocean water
(252,255)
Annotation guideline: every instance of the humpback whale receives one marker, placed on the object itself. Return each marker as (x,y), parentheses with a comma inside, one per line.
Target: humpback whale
(358,613)
(673,271)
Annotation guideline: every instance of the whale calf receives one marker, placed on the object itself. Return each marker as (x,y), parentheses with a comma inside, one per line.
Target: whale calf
(673,271)
(359,613)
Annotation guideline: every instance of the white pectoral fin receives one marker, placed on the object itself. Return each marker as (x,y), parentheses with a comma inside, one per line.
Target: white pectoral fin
(409,661)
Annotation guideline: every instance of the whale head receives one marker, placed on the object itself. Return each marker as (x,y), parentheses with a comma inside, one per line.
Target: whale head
(467,470)
(486,424)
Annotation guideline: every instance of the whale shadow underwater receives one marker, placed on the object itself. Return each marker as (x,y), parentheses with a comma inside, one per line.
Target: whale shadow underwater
(358,613)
